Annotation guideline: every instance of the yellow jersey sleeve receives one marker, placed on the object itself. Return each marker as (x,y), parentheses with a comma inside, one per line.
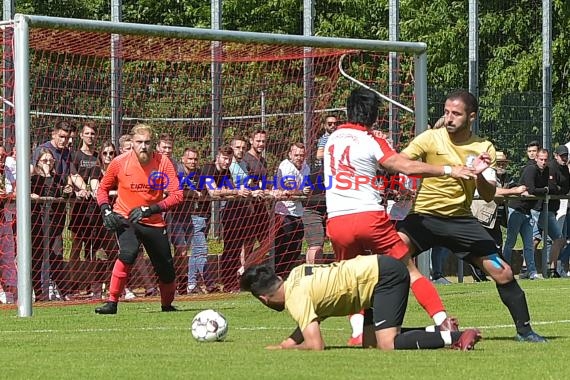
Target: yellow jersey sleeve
(303,309)
(418,147)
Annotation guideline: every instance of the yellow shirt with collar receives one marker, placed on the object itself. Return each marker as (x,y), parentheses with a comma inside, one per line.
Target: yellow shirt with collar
(315,292)
(447,196)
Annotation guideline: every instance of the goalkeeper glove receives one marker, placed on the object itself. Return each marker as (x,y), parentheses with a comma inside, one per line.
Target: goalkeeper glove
(138,213)
(111,220)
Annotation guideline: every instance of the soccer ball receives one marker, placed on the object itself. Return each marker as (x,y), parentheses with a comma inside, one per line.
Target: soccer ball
(209,326)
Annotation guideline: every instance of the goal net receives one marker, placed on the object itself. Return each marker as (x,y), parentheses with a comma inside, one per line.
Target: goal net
(197,95)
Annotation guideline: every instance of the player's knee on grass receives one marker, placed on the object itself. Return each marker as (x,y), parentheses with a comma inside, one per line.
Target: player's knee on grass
(385,338)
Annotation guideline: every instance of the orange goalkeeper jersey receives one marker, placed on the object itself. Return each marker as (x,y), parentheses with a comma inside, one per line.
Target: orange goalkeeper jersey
(141,185)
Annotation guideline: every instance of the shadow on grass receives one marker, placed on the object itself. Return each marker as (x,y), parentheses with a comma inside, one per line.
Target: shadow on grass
(190,309)
(512,338)
(344,348)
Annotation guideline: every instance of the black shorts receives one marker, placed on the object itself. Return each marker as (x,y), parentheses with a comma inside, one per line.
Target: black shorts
(390,297)
(464,236)
(314,223)
(155,242)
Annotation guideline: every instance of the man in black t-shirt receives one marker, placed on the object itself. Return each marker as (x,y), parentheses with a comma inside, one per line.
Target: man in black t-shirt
(559,177)
(82,225)
(537,180)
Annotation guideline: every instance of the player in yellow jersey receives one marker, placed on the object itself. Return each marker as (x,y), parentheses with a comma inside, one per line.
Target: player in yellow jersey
(441,215)
(378,284)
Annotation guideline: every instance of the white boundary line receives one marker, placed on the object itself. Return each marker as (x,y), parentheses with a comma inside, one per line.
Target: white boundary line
(260,328)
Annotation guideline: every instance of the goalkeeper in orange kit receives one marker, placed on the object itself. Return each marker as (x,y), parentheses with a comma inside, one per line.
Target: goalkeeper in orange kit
(141,178)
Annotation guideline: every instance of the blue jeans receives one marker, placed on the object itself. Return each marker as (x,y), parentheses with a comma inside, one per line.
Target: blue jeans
(519,222)
(438,256)
(565,254)
(554,231)
(199,257)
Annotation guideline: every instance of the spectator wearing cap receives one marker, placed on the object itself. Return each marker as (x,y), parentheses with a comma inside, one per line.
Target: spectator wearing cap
(559,178)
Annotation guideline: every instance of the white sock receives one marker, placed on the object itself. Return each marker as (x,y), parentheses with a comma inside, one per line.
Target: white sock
(439,317)
(446,336)
(357,324)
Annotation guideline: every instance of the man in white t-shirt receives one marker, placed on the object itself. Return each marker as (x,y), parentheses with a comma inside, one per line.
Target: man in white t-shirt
(357,221)
(291,176)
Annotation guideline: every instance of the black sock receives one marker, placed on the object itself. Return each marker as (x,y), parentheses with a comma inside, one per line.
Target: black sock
(455,336)
(406,329)
(415,340)
(514,299)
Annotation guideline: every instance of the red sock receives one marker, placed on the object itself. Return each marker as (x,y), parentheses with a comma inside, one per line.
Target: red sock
(167,292)
(118,280)
(427,296)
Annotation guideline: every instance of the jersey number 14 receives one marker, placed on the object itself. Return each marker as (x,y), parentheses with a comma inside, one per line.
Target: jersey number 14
(344,165)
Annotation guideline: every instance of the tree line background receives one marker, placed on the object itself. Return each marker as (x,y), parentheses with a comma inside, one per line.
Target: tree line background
(509,49)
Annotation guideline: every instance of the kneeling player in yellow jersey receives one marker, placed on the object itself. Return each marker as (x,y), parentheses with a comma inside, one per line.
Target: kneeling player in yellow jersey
(378,284)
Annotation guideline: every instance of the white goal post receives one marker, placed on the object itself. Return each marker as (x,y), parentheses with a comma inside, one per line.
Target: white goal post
(23,24)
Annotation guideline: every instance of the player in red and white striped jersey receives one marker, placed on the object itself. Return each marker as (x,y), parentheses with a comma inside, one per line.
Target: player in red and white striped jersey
(358,223)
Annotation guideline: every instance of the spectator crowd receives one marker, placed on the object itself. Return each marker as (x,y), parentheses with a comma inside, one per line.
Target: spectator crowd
(72,252)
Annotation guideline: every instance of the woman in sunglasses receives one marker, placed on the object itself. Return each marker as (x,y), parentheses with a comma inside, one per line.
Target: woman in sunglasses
(46,183)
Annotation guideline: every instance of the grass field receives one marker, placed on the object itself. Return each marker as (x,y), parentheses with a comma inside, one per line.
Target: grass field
(72,342)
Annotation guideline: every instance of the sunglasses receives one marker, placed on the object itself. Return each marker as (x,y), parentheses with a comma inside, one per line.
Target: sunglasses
(331,123)
(46,160)
(112,153)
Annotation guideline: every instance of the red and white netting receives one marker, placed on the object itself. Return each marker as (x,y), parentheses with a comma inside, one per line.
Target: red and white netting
(167,83)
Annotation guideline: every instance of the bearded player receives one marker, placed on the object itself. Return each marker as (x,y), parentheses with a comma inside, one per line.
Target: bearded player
(142,178)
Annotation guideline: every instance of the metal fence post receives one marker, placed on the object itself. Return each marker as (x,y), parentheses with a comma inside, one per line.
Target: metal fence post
(544,217)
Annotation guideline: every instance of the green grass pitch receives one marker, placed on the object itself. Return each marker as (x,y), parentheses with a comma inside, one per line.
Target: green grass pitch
(72,342)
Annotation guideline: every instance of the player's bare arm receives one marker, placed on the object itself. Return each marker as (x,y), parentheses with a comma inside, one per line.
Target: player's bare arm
(80,184)
(193,194)
(519,190)
(224,192)
(291,341)
(401,163)
(313,340)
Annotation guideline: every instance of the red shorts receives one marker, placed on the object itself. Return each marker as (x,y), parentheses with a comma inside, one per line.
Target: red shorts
(364,233)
